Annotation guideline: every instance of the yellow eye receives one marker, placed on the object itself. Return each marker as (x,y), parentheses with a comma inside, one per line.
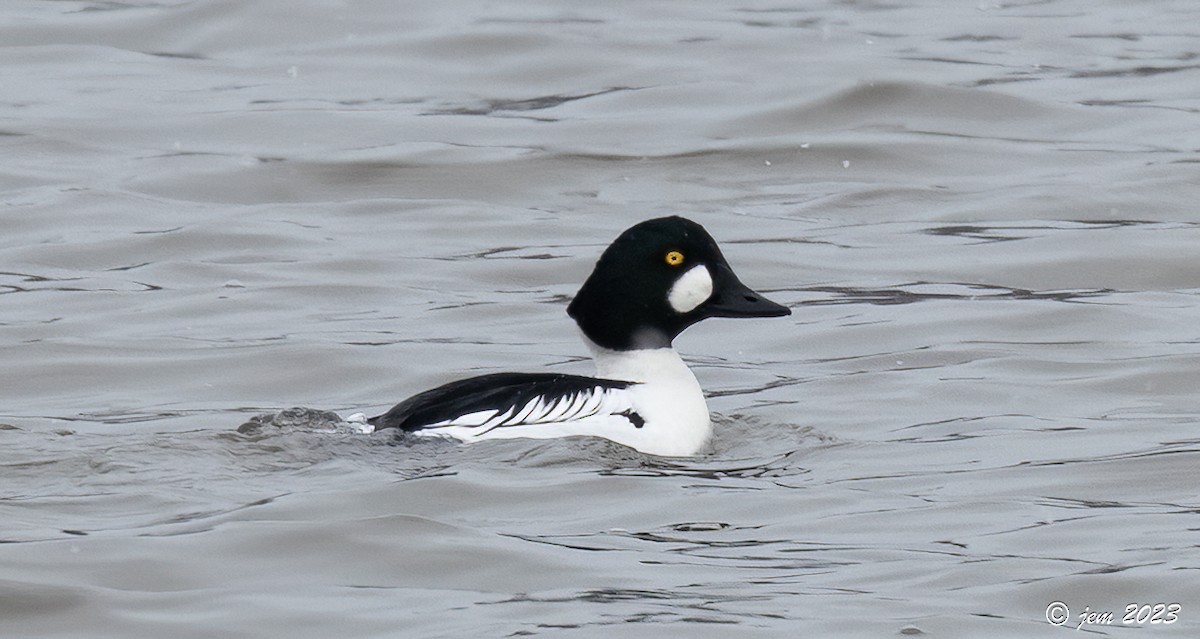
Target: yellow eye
(674,258)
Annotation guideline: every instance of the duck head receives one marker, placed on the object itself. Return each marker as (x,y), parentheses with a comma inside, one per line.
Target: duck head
(655,280)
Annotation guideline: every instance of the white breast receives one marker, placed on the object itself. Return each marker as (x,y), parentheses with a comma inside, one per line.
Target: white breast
(666,395)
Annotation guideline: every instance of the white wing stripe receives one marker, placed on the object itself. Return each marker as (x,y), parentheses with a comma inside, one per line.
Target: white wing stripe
(478,418)
(592,403)
(493,422)
(578,402)
(532,406)
(559,409)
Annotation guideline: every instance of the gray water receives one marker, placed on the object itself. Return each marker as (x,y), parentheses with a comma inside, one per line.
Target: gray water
(984,216)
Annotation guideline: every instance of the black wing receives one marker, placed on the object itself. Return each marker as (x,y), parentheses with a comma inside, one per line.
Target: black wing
(502,392)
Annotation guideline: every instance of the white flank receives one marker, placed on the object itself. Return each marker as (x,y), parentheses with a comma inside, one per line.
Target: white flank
(691,289)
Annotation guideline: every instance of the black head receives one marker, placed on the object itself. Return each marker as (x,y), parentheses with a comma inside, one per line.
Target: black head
(656,279)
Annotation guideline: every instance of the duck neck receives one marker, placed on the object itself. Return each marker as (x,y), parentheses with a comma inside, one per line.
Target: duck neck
(641,365)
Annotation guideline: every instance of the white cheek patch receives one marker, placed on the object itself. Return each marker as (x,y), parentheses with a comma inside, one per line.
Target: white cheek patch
(691,289)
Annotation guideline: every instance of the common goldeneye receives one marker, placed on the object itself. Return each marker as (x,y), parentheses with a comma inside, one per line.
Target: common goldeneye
(655,280)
